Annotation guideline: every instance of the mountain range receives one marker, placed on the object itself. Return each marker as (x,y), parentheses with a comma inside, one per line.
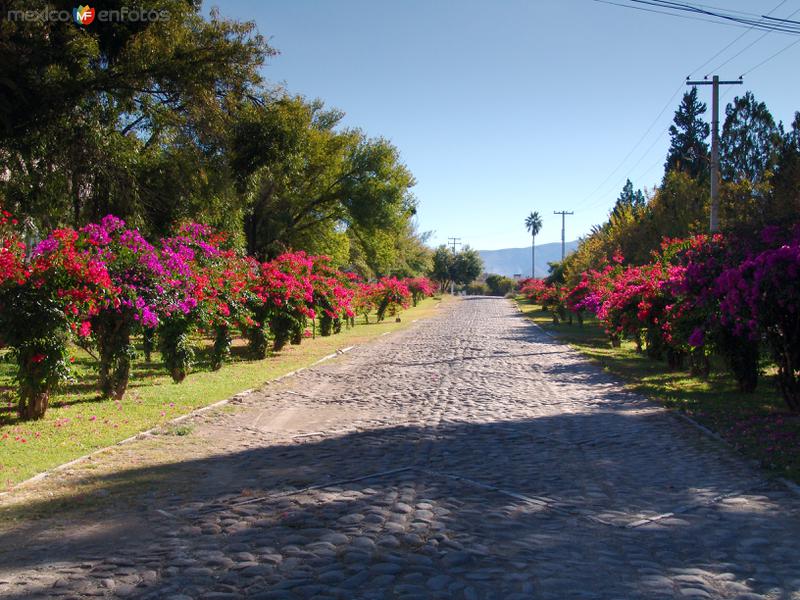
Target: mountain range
(513,261)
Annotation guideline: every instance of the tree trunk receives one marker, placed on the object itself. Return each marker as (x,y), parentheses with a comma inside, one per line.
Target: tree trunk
(114,342)
(34,405)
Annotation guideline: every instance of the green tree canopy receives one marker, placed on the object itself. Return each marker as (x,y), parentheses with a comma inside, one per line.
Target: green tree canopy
(750,140)
(165,121)
(460,268)
(688,150)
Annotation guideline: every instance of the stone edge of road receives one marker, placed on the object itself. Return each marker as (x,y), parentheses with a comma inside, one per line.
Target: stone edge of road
(153,430)
(149,432)
(790,485)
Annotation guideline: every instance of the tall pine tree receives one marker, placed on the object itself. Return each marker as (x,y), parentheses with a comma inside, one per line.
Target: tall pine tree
(688,150)
(750,141)
(629,201)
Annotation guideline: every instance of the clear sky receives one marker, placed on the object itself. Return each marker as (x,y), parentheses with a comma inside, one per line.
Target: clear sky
(503,107)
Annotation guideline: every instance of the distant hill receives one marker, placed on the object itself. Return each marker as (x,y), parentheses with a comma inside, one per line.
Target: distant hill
(510,261)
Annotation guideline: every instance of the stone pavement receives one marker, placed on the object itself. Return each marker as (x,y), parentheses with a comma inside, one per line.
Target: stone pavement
(478,459)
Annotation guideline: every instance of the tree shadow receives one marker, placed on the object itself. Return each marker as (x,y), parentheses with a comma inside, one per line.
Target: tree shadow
(540,507)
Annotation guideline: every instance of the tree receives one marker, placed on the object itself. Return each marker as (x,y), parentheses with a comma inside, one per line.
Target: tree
(629,198)
(688,150)
(459,268)
(499,285)
(129,117)
(785,197)
(533,222)
(442,268)
(467,266)
(321,183)
(750,140)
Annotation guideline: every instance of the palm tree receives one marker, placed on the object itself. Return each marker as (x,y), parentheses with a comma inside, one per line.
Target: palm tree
(534,224)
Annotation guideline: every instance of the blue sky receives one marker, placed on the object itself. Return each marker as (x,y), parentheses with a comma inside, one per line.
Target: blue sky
(500,108)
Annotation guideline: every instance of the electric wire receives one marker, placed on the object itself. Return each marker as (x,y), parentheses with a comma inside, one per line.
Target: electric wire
(733,42)
(635,146)
(750,45)
(751,26)
(769,58)
(661,12)
(701,13)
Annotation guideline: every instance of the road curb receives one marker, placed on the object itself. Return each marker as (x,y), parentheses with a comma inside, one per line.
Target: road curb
(789,485)
(153,430)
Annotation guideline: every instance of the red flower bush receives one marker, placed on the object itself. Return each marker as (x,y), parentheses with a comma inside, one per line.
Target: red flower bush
(136,275)
(392,295)
(105,283)
(62,290)
(281,300)
(366,299)
(333,295)
(420,287)
(12,251)
(202,288)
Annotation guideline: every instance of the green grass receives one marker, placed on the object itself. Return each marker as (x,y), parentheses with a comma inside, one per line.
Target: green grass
(79,421)
(758,424)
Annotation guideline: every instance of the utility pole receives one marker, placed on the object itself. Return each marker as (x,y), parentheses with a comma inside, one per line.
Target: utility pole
(453,241)
(563,214)
(714,83)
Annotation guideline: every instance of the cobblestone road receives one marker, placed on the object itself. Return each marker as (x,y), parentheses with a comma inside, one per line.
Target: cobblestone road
(478,459)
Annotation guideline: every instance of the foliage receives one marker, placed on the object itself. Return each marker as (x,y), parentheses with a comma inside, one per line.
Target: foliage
(699,296)
(500,285)
(61,291)
(533,223)
(167,121)
(688,150)
(420,287)
(750,140)
(104,284)
(392,295)
(761,296)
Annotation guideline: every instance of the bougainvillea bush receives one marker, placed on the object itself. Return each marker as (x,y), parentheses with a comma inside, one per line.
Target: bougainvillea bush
(366,300)
(136,275)
(103,285)
(703,295)
(63,288)
(392,296)
(281,301)
(761,296)
(333,295)
(420,287)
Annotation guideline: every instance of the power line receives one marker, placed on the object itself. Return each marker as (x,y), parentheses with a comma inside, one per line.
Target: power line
(766,60)
(758,21)
(661,12)
(717,15)
(783,20)
(635,146)
(750,45)
(736,39)
(636,164)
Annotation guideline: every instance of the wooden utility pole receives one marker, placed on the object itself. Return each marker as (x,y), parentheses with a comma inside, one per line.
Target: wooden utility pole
(453,241)
(714,83)
(563,214)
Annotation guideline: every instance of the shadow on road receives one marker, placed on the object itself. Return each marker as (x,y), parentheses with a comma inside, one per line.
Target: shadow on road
(544,499)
